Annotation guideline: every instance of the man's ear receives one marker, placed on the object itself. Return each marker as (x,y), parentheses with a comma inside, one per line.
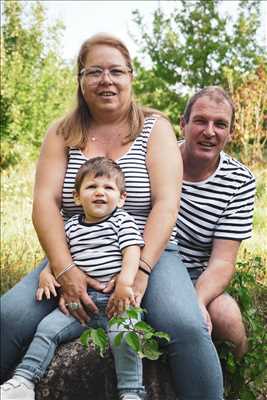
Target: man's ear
(182,123)
(230,136)
(122,199)
(76,198)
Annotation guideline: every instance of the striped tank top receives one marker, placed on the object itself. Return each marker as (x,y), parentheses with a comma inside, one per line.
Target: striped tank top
(133,165)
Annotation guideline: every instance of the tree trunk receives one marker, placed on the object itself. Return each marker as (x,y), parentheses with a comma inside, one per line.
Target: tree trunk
(79,374)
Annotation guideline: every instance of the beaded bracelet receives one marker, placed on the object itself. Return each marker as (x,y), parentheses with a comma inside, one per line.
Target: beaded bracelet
(67,268)
(144,270)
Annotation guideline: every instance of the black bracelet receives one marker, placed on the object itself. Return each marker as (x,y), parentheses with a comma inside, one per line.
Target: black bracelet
(144,270)
(146,263)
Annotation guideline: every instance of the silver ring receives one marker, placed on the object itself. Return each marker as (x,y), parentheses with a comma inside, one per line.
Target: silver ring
(73,306)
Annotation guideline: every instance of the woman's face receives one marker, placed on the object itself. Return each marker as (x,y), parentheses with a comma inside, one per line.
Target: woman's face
(106,82)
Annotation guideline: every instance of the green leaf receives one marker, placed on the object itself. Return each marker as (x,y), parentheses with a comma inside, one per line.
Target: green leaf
(117,321)
(84,338)
(150,350)
(133,341)
(163,335)
(100,340)
(132,313)
(118,339)
(143,326)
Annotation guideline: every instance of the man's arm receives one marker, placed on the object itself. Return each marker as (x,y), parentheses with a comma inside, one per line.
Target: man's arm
(221,267)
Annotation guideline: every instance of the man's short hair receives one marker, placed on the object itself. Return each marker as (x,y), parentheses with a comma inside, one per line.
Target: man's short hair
(100,166)
(215,93)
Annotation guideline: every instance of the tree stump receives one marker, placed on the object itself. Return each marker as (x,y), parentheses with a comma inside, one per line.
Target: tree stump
(79,374)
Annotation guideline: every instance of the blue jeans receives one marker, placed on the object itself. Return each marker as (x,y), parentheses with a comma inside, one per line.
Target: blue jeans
(58,328)
(172,306)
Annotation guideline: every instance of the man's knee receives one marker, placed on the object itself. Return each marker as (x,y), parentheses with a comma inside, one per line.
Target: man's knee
(228,324)
(225,311)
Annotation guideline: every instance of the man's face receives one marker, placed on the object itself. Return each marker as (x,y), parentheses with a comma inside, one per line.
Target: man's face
(208,129)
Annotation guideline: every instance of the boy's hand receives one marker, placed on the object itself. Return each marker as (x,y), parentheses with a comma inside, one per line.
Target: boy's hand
(120,300)
(47,285)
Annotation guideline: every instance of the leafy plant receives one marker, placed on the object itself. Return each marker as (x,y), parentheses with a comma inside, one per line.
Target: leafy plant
(139,335)
(246,379)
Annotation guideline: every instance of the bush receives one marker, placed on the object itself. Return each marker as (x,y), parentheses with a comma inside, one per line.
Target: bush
(246,379)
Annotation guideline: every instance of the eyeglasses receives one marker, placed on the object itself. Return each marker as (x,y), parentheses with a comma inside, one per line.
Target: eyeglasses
(94,75)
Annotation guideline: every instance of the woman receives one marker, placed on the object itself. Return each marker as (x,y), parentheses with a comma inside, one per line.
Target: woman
(107,122)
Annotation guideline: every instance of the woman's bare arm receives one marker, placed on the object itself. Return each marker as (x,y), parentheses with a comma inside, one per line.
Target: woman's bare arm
(46,216)
(49,225)
(165,168)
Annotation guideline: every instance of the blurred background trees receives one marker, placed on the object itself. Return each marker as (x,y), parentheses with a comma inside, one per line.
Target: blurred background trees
(36,85)
(198,46)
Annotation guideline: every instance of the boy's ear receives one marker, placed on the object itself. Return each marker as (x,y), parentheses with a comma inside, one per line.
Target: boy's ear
(76,198)
(122,199)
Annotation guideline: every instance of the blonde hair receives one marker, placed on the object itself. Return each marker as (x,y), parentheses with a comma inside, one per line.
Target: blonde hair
(74,126)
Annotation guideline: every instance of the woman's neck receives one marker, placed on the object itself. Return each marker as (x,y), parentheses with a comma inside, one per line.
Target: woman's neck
(108,118)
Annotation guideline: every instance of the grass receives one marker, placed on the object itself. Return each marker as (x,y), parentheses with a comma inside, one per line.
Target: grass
(20,249)
(257,245)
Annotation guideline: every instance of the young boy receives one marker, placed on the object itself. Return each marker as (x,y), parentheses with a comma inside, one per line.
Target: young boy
(104,242)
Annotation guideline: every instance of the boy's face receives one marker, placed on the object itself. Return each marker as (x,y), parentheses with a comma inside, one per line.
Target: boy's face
(99,197)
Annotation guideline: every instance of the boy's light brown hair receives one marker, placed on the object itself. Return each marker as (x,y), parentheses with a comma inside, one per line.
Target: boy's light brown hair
(100,166)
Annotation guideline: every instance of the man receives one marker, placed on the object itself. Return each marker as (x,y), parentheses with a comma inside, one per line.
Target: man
(216,210)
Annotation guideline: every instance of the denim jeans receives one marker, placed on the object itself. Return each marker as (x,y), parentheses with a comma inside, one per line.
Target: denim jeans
(57,328)
(172,307)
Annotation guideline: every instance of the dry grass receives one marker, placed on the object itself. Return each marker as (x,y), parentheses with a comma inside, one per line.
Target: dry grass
(20,249)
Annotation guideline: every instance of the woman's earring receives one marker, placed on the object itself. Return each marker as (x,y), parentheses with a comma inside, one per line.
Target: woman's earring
(82,88)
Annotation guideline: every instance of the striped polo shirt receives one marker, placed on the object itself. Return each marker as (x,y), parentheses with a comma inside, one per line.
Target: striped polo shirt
(96,248)
(221,207)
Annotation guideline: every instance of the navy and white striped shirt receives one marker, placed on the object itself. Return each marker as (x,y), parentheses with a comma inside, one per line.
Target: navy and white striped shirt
(96,248)
(221,207)
(133,164)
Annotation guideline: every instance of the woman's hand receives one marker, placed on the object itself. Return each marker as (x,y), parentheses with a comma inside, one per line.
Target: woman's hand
(139,287)
(120,300)
(47,284)
(75,299)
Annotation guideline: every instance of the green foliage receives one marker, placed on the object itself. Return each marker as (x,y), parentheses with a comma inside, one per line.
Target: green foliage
(247,379)
(250,98)
(194,47)
(140,336)
(33,77)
